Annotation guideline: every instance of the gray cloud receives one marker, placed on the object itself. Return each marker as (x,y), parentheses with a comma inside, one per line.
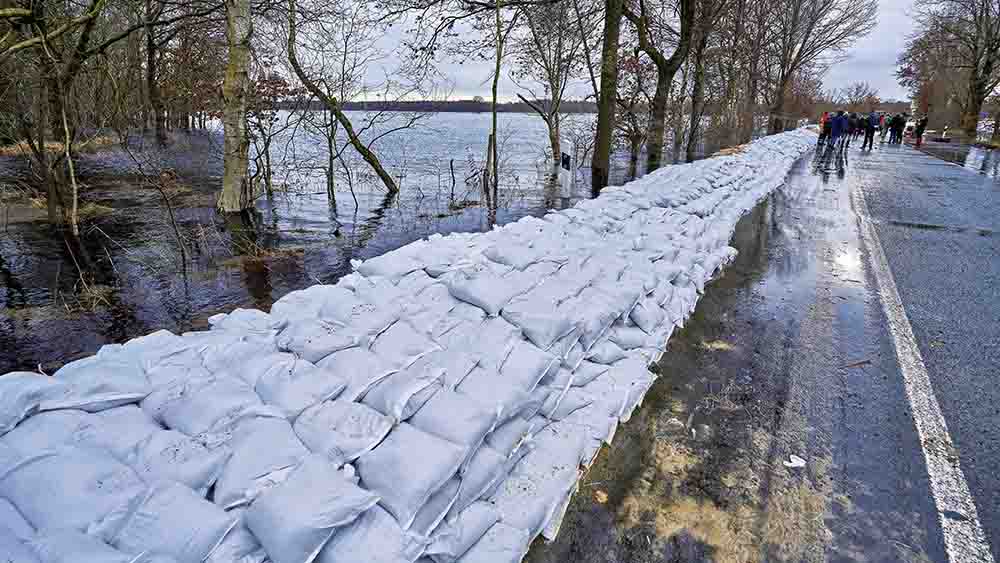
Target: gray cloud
(873,58)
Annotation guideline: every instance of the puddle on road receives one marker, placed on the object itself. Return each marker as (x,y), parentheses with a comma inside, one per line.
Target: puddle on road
(699,473)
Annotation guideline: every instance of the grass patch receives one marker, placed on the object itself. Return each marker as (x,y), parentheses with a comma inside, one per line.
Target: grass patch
(92,145)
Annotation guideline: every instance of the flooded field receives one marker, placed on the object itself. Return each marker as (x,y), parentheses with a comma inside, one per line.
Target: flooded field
(130,277)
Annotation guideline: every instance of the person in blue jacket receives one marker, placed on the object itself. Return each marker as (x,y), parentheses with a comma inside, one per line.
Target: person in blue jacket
(838,131)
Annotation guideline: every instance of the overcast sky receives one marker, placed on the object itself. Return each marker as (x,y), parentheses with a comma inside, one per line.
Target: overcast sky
(872,59)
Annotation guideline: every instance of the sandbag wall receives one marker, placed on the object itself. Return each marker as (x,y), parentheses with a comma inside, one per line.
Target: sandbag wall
(440,402)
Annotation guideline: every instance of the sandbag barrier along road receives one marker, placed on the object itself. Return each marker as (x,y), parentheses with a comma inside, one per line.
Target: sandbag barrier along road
(440,402)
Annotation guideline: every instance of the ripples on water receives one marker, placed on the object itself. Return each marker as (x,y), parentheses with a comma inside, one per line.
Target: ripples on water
(136,281)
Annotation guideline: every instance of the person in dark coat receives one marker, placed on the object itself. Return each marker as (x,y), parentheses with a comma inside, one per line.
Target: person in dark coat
(870,125)
(898,125)
(918,131)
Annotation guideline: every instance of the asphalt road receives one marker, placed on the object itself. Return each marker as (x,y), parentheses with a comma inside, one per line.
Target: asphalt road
(795,352)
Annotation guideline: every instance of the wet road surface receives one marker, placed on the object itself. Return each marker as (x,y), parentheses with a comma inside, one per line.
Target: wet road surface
(790,353)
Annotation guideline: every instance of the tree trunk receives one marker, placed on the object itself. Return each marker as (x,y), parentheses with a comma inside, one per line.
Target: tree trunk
(635,147)
(553,123)
(970,117)
(239,27)
(493,172)
(666,68)
(777,109)
(332,104)
(679,118)
(658,123)
(697,97)
(152,87)
(601,163)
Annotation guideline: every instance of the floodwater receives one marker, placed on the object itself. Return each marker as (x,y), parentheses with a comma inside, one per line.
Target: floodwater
(782,357)
(130,278)
(974,157)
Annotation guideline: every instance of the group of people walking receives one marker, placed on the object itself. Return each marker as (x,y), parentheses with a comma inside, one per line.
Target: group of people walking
(838,129)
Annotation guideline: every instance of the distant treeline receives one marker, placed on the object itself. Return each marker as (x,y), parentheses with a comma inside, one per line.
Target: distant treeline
(467,106)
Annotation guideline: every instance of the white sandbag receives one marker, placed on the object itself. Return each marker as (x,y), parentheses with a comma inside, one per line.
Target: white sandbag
(486,387)
(21,393)
(362,320)
(436,508)
(415,282)
(647,315)
(509,436)
(172,456)
(395,264)
(528,502)
(401,345)
(360,367)
(73,546)
(573,400)
(292,385)
(14,522)
(631,337)
(307,303)
(260,445)
(375,537)
(239,546)
(500,544)
(14,549)
(491,342)
(572,358)
(184,366)
(558,378)
(456,536)
(526,365)
(80,487)
(587,372)
(605,352)
(246,320)
(593,315)
(118,430)
(170,519)
(484,470)
(46,431)
(404,393)
(407,468)
(457,418)
(233,357)
(485,290)
(542,323)
(520,256)
(314,339)
(196,406)
(342,430)
(97,383)
(457,364)
(295,519)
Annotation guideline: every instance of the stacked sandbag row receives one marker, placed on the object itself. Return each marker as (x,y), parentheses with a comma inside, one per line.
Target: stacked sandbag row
(439,402)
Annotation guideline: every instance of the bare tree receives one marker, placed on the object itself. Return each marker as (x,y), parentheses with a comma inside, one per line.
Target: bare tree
(654,32)
(858,96)
(805,33)
(548,52)
(971,30)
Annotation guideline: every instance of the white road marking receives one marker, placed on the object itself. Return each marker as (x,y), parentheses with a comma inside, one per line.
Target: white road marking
(964,538)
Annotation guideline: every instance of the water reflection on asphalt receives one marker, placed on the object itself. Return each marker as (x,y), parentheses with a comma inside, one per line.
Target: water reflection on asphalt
(776,362)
